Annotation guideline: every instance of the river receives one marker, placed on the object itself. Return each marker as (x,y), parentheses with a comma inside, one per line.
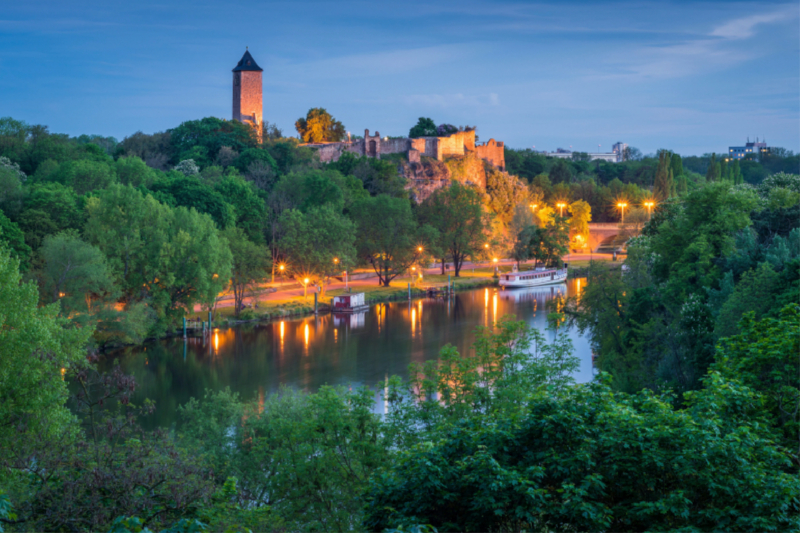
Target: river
(306,353)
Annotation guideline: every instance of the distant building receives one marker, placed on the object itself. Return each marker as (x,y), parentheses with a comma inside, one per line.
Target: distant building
(620,149)
(617,155)
(247,98)
(750,148)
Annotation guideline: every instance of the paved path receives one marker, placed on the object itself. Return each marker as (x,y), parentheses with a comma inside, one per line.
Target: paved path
(289,289)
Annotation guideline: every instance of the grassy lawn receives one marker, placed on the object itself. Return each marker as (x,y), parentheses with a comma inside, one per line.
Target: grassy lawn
(398,290)
(266,310)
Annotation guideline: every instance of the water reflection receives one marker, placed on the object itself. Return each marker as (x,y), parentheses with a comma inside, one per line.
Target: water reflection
(360,348)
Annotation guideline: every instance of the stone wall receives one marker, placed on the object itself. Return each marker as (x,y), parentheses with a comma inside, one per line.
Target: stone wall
(493,152)
(395,146)
(456,144)
(455,157)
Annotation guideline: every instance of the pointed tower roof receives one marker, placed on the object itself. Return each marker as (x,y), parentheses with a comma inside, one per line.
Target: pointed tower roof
(247,63)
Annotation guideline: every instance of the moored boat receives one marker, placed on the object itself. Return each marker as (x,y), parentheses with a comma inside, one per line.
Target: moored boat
(534,278)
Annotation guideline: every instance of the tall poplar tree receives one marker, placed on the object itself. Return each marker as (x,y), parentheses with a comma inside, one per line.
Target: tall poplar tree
(662,186)
(712,174)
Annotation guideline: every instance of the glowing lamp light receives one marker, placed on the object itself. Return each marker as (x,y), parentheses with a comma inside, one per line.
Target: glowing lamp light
(281,267)
(561,206)
(486,245)
(336,260)
(419,248)
(305,281)
(622,206)
(494,260)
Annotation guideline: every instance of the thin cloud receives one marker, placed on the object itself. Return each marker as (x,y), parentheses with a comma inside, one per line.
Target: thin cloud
(744,27)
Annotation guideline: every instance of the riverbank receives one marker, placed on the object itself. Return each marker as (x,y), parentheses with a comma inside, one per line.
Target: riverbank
(296,306)
(580,268)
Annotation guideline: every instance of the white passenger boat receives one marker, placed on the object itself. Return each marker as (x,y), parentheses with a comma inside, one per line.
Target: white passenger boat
(534,278)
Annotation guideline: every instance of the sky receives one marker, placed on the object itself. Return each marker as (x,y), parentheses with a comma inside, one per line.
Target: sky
(693,77)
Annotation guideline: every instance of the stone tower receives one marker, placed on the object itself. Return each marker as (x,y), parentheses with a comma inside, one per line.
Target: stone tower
(247,100)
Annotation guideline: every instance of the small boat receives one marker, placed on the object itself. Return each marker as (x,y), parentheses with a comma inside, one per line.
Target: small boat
(349,303)
(534,278)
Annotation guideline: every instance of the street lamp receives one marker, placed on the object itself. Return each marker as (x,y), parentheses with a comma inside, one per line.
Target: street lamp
(649,205)
(305,288)
(561,206)
(622,206)
(533,207)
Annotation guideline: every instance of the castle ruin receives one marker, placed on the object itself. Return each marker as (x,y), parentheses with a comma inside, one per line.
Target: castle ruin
(247,108)
(458,144)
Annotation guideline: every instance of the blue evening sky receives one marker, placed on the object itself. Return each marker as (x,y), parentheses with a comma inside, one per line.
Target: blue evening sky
(694,77)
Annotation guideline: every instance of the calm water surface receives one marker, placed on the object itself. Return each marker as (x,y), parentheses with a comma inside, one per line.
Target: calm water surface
(305,353)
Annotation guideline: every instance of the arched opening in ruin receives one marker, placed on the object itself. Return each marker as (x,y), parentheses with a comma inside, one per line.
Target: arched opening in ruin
(372,149)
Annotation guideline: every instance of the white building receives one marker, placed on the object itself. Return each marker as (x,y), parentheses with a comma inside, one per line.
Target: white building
(750,148)
(617,154)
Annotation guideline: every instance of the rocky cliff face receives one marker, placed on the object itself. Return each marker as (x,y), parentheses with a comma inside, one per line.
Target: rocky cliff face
(424,177)
(467,169)
(430,174)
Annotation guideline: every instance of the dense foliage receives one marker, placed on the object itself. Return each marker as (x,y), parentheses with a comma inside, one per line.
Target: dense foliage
(692,424)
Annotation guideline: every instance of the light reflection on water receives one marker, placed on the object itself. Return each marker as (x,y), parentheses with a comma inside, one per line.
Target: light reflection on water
(357,349)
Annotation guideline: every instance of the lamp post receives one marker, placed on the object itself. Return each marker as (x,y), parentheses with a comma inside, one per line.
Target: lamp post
(622,206)
(561,206)
(305,288)
(533,207)
(649,205)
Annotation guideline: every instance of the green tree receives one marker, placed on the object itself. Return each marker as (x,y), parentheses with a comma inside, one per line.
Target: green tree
(676,164)
(305,457)
(713,172)
(190,192)
(592,460)
(14,240)
(73,273)
(84,176)
(133,171)
(386,235)
(763,356)
(209,134)
(250,264)
(550,243)
(560,172)
(11,191)
(319,126)
(249,208)
(172,258)
(35,345)
(505,192)
(425,127)
(379,177)
(456,213)
(754,293)
(736,173)
(579,222)
(60,203)
(255,156)
(318,243)
(663,185)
